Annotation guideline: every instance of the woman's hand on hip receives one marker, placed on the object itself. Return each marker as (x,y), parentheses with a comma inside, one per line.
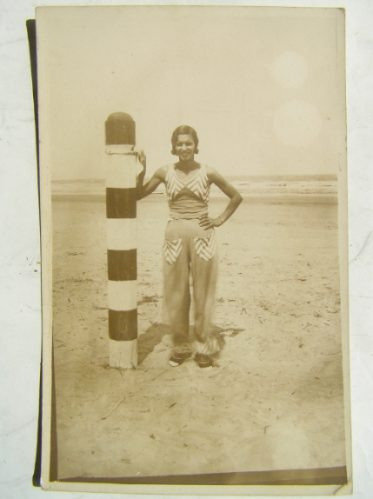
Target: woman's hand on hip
(208,223)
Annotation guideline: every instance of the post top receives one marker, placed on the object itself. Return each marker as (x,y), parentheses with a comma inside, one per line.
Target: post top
(120,129)
(120,117)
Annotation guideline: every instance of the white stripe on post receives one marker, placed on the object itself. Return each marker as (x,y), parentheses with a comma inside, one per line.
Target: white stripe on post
(123,354)
(118,175)
(121,233)
(122,295)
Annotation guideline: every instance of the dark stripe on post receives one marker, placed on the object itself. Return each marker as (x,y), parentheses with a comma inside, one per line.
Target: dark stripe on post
(120,129)
(123,325)
(120,203)
(122,265)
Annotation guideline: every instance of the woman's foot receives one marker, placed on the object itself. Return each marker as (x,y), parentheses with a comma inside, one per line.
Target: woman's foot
(203,360)
(178,358)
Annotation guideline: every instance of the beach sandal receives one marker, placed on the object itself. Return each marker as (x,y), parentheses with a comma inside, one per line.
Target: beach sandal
(203,360)
(178,358)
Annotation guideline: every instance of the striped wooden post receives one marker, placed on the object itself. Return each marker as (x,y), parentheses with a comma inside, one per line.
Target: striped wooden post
(121,239)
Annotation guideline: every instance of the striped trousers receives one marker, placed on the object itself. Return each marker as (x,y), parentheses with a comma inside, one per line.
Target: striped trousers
(190,272)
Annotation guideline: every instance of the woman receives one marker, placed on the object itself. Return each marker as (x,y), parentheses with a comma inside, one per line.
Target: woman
(189,248)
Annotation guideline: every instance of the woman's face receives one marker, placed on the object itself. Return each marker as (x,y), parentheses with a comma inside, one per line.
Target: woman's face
(185,147)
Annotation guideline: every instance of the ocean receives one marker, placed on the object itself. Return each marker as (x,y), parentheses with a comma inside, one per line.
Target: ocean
(277,189)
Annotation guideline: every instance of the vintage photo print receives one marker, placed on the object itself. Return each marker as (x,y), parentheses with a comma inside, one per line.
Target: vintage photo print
(194,241)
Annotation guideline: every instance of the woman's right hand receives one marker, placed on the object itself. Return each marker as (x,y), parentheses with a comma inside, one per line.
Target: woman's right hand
(140,156)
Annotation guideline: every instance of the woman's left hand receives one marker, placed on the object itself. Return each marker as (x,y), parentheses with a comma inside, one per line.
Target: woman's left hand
(208,223)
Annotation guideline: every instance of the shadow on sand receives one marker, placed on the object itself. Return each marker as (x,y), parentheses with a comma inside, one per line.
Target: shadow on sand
(155,333)
(147,341)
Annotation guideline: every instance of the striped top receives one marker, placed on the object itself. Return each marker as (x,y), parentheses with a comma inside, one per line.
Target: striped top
(187,193)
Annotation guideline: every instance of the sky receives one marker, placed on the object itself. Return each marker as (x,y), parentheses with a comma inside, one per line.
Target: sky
(263,87)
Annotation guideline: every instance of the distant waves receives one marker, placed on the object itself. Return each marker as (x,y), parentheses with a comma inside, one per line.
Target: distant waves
(296,189)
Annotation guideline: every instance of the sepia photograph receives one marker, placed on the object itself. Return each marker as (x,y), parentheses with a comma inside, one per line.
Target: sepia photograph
(193,187)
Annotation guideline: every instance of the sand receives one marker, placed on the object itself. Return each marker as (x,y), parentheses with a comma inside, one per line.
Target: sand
(275,399)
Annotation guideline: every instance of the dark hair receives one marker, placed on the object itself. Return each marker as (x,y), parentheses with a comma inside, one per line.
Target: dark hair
(184,130)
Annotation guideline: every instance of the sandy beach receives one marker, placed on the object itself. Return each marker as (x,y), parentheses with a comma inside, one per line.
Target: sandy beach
(275,399)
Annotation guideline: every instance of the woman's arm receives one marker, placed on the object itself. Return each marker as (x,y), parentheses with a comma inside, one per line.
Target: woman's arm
(230,191)
(143,190)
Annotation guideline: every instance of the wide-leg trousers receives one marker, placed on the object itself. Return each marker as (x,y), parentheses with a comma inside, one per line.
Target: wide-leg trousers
(190,261)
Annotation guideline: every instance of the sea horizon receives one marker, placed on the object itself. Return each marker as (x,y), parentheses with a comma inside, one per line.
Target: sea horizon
(320,188)
(257,178)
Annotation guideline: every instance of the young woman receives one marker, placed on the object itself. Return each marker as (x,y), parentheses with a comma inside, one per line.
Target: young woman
(189,247)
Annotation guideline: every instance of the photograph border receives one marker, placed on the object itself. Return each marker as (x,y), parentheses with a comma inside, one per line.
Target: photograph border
(146,485)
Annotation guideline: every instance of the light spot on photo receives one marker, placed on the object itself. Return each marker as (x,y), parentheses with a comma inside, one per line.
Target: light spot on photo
(290,69)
